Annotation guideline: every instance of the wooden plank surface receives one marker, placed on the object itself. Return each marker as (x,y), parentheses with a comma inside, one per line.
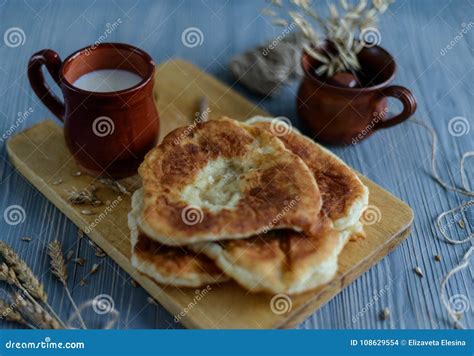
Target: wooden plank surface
(414,31)
(41,156)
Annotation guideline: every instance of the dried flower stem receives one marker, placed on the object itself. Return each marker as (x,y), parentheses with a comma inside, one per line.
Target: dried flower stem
(339,28)
(58,267)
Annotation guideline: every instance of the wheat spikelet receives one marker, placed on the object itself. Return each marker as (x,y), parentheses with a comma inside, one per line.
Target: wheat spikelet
(8,312)
(39,317)
(8,275)
(58,265)
(23,272)
(86,196)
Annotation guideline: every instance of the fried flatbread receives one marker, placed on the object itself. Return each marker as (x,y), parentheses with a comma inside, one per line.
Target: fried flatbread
(178,266)
(280,261)
(222,179)
(288,261)
(344,195)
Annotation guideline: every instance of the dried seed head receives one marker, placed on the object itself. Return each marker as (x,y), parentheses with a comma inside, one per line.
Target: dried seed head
(23,272)
(8,312)
(8,275)
(342,27)
(58,265)
(37,315)
(86,196)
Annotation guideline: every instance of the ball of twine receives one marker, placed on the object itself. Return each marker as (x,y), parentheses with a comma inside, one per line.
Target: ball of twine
(266,68)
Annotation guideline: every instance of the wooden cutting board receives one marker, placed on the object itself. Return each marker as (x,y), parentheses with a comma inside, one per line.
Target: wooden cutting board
(40,154)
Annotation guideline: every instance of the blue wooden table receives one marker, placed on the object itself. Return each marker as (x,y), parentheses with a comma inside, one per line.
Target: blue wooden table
(417,33)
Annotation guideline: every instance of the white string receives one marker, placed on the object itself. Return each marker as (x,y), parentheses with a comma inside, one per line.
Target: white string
(454,315)
(463,173)
(443,230)
(265,69)
(115,315)
(434,146)
(464,190)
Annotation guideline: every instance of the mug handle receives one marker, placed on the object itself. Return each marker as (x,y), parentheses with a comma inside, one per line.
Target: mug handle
(408,101)
(50,59)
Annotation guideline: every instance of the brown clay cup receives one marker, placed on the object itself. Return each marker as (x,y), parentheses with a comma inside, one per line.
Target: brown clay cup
(343,115)
(108,133)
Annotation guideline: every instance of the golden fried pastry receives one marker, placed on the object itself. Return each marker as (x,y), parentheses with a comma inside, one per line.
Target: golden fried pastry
(288,261)
(222,179)
(178,266)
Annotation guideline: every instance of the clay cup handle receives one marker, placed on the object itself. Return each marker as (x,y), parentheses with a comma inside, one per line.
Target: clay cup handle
(52,62)
(408,101)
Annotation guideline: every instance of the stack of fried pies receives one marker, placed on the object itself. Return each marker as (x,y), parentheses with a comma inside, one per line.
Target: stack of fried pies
(254,202)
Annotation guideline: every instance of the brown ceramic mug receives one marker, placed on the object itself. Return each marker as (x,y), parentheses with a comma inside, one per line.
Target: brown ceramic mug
(110,132)
(343,115)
